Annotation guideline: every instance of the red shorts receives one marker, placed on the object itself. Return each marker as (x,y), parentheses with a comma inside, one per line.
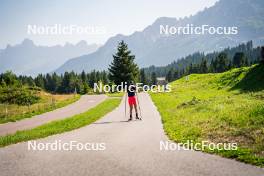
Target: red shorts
(132,100)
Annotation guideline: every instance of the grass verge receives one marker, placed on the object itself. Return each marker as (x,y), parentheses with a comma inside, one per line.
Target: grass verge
(220,108)
(47,103)
(61,126)
(115,94)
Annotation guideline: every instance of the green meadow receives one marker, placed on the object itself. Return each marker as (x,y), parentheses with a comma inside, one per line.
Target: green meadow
(48,102)
(64,125)
(222,107)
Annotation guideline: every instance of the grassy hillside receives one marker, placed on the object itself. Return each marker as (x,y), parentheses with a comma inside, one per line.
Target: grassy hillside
(225,107)
(47,102)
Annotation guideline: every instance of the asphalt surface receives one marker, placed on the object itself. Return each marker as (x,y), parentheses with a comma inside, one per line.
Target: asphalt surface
(83,104)
(131,148)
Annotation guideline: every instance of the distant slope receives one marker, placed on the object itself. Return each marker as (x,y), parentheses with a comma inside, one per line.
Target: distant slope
(29,59)
(252,54)
(151,48)
(220,108)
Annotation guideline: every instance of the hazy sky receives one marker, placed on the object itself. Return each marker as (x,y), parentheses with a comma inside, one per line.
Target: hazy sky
(116,16)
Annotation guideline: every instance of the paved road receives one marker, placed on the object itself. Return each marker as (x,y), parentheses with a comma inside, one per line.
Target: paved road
(132,148)
(83,104)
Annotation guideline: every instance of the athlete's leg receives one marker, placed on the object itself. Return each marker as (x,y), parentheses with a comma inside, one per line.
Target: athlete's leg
(130,111)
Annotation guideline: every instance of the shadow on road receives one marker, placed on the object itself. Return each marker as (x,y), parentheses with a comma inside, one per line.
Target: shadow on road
(110,122)
(121,121)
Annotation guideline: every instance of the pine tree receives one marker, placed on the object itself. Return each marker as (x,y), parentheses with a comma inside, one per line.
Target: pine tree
(92,79)
(143,78)
(175,75)
(65,84)
(221,62)
(104,77)
(55,82)
(212,66)
(169,76)
(246,62)
(190,69)
(262,55)
(48,82)
(83,77)
(98,76)
(30,81)
(85,88)
(203,66)
(153,78)
(39,81)
(123,68)
(239,59)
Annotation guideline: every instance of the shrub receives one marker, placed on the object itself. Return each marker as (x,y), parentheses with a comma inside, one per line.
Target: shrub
(18,95)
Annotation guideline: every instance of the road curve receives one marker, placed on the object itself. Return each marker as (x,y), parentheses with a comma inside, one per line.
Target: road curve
(132,148)
(83,104)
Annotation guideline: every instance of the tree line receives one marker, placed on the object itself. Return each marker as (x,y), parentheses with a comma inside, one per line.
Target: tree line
(123,69)
(215,62)
(69,82)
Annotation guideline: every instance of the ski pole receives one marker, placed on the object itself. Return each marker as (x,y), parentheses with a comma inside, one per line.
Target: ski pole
(139,106)
(125,103)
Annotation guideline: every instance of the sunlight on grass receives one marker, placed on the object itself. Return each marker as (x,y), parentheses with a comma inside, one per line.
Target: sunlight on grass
(215,108)
(48,102)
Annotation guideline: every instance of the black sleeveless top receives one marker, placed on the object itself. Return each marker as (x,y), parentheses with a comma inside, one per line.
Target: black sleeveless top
(132,92)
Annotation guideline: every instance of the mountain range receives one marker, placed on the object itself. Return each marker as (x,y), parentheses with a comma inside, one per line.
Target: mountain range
(27,58)
(152,48)
(149,46)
